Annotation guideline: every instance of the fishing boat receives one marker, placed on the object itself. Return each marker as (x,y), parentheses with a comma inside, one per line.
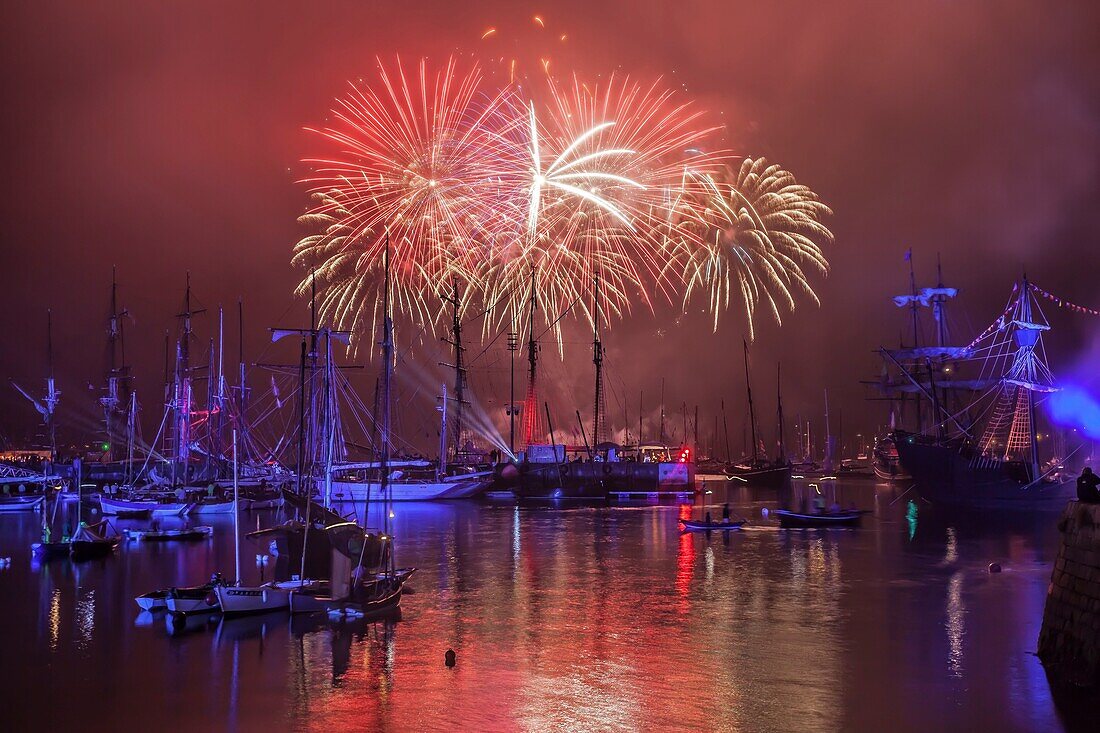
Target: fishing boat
(21,503)
(995,459)
(799,520)
(692,525)
(169,535)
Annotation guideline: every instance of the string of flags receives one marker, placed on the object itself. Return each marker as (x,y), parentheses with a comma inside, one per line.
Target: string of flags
(1063,303)
(998,324)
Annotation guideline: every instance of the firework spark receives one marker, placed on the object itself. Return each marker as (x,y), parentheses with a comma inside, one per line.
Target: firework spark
(545,186)
(762,236)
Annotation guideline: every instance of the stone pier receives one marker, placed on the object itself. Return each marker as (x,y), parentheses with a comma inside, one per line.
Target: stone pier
(1069,642)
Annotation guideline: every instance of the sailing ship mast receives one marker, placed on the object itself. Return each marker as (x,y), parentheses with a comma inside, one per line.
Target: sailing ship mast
(597,360)
(752,411)
(387,375)
(118,374)
(781,449)
(181,402)
(460,372)
(531,421)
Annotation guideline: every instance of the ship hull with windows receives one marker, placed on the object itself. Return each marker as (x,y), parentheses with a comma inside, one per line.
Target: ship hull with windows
(649,473)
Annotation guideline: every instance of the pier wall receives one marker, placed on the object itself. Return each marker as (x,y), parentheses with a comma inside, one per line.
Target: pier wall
(1069,641)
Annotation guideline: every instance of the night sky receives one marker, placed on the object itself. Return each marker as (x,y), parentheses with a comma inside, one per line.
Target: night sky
(163,138)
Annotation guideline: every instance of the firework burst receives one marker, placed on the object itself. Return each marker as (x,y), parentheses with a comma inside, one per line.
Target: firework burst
(545,186)
(755,233)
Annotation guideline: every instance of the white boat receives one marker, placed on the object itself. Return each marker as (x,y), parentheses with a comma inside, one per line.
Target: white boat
(156,600)
(217,506)
(409,481)
(240,599)
(155,507)
(21,503)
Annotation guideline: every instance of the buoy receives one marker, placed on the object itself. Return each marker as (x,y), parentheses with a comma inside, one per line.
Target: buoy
(994,567)
(764,512)
(449,658)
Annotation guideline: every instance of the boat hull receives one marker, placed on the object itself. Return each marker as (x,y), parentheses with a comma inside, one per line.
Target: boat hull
(457,487)
(771,477)
(797,520)
(154,601)
(242,600)
(599,480)
(112,507)
(92,549)
(21,503)
(219,507)
(693,526)
(952,475)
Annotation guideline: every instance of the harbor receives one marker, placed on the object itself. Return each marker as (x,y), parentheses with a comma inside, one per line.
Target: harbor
(571,367)
(561,616)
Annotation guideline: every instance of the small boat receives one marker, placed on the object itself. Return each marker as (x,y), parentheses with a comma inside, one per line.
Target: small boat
(168,535)
(691,525)
(51,550)
(155,507)
(156,600)
(21,503)
(798,520)
(240,600)
(212,506)
(195,599)
(92,541)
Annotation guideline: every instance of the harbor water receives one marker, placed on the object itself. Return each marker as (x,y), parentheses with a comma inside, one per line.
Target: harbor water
(564,618)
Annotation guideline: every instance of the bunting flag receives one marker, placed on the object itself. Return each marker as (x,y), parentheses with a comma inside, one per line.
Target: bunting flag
(998,324)
(1063,303)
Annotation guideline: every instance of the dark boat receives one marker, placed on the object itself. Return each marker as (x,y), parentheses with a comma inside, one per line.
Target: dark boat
(91,541)
(194,599)
(134,513)
(690,525)
(995,462)
(797,520)
(51,550)
(762,474)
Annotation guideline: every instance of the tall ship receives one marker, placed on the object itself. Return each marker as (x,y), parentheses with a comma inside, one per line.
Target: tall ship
(978,443)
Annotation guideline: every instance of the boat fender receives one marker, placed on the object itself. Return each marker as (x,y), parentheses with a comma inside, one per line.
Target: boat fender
(449,658)
(263,597)
(606,470)
(211,598)
(994,567)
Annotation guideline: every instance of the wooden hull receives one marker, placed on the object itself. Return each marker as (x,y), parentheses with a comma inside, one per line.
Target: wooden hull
(693,526)
(111,507)
(241,600)
(952,475)
(797,520)
(92,549)
(154,601)
(170,535)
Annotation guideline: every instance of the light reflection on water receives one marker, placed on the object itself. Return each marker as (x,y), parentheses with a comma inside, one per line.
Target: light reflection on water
(571,619)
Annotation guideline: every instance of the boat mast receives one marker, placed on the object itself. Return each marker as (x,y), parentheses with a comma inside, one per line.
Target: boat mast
(781,449)
(242,423)
(458,366)
(916,333)
(752,412)
(1025,312)
(181,405)
(442,470)
(116,373)
(531,405)
(661,436)
(597,360)
(52,395)
(513,345)
(387,374)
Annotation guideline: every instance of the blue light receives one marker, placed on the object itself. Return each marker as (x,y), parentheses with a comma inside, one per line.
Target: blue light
(1074,407)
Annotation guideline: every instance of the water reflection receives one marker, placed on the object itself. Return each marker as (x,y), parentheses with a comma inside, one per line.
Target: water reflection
(572,619)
